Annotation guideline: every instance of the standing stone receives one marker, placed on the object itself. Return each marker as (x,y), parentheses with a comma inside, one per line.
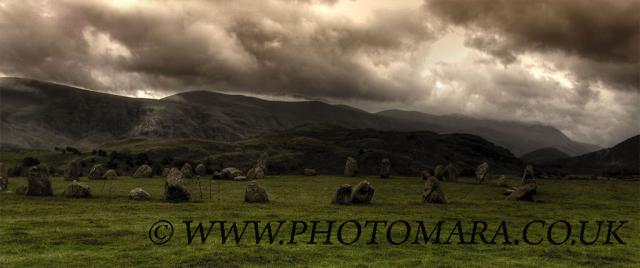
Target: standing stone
(77,190)
(96,172)
(201,170)
(451,173)
(433,191)
(343,195)
(524,192)
(110,175)
(187,171)
(175,189)
(310,172)
(439,172)
(39,183)
(255,173)
(230,173)
(241,178)
(528,177)
(139,194)
(255,193)
(251,174)
(385,169)
(72,171)
(262,162)
(351,167)
(362,193)
(259,173)
(165,171)
(481,172)
(144,171)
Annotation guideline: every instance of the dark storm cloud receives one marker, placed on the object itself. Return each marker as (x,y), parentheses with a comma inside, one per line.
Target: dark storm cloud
(266,47)
(605,34)
(569,64)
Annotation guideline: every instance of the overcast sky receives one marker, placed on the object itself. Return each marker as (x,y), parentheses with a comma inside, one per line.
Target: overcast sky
(573,65)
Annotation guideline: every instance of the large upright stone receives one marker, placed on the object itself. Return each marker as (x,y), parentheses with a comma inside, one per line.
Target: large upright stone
(439,172)
(351,167)
(97,172)
(110,175)
(343,195)
(39,183)
(201,170)
(528,177)
(175,189)
(77,190)
(72,171)
(187,170)
(262,162)
(433,191)
(255,193)
(481,172)
(385,168)
(362,193)
(144,171)
(451,172)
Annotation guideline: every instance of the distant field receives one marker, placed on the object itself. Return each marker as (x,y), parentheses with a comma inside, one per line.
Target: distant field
(113,231)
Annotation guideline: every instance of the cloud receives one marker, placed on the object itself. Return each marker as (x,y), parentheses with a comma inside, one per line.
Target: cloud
(266,47)
(603,34)
(569,64)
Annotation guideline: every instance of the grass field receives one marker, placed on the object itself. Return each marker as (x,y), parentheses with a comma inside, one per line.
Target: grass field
(113,231)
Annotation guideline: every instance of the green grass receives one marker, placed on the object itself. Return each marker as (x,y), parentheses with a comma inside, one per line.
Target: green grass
(104,231)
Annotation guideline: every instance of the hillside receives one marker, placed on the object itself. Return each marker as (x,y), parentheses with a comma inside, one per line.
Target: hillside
(319,146)
(543,155)
(42,115)
(520,138)
(620,160)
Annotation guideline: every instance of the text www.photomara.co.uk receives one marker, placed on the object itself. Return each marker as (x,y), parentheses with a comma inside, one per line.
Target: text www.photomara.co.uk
(535,232)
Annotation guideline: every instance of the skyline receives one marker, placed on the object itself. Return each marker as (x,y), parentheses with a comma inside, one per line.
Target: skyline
(568,64)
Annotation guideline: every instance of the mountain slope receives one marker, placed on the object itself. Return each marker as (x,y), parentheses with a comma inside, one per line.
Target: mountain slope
(620,160)
(543,155)
(520,138)
(37,114)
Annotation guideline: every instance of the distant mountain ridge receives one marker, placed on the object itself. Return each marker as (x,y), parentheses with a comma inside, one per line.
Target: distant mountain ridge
(519,137)
(37,114)
(623,159)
